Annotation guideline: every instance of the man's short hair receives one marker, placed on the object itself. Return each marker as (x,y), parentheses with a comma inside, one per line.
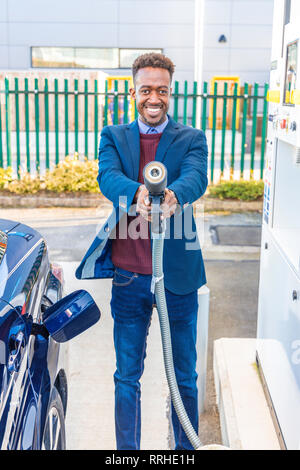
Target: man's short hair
(155,60)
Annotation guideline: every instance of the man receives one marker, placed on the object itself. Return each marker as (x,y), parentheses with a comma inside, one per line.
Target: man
(122,248)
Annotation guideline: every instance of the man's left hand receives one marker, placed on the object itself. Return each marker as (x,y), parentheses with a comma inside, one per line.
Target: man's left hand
(169,205)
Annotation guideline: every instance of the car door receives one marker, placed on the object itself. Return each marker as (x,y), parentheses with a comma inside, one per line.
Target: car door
(14,371)
(20,293)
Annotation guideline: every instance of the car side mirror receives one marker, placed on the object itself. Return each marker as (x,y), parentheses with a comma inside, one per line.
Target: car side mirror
(71,315)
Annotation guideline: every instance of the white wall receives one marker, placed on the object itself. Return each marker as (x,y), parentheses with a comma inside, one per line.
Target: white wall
(247,25)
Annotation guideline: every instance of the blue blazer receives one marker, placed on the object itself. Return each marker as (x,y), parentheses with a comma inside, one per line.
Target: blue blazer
(183,150)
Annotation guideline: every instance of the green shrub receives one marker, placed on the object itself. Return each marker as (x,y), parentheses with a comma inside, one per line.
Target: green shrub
(70,175)
(5,177)
(242,190)
(73,175)
(27,184)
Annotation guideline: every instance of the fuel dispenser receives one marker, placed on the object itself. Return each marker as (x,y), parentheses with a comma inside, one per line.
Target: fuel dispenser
(278,329)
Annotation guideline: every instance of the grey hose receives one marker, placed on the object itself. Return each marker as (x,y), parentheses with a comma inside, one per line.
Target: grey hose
(160,297)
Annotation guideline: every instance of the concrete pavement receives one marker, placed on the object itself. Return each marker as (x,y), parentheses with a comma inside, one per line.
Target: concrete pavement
(91,359)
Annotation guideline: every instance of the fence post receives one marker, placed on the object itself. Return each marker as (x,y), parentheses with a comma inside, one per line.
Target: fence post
(86,119)
(264,131)
(116,103)
(17,126)
(224,127)
(37,124)
(254,126)
(185,100)
(233,128)
(56,122)
(66,117)
(27,125)
(96,119)
(175,113)
(46,89)
(135,110)
(105,104)
(7,122)
(213,137)
(76,113)
(244,128)
(125,103)
(204,104)
(194,105)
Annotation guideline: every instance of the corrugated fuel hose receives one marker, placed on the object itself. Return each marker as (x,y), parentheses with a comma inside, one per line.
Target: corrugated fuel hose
(155,177)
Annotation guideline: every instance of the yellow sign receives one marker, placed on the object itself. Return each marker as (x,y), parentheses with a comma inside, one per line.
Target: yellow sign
(221,80)
(273,96)
(121,80)
(295,97)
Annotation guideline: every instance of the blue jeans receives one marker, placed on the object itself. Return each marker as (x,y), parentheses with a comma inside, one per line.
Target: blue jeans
(131,306)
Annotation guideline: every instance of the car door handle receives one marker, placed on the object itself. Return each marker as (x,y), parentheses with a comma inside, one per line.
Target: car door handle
(14,358)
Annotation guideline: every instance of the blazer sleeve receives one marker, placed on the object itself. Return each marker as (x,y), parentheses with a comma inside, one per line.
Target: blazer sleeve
(113,183)
(192,181)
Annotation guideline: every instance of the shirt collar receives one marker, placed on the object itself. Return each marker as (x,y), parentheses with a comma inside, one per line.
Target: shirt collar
(144,128)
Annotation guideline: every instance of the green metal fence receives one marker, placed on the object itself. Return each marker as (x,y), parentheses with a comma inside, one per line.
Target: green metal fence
(40,125)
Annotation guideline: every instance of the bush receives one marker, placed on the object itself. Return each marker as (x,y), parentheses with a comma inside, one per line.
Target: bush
(27,184)
(70,175)
(73,175)
(5,177)
(242,190)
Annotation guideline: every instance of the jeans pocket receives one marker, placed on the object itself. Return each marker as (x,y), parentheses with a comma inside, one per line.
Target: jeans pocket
(123,280)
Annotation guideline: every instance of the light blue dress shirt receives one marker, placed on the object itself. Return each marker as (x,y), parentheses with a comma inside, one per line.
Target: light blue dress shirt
(145,129)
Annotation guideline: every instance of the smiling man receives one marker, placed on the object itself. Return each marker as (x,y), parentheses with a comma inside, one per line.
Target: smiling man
(122,248)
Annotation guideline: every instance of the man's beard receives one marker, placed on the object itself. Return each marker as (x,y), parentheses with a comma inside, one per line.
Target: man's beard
(155,124)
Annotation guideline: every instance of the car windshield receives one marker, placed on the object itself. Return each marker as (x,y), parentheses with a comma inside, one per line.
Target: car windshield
(3,245)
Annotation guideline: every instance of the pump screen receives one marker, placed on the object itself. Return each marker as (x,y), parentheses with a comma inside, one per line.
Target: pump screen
(291,72)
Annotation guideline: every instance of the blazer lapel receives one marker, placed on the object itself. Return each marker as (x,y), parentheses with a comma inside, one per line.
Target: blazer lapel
(167,138)
(133,140)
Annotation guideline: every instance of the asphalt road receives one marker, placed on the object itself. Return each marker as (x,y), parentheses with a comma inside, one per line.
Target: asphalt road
(233,277)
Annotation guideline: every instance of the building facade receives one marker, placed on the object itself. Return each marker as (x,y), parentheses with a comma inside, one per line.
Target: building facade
(204,38)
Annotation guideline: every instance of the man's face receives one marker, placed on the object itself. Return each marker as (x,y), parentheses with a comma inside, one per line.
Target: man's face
(152,94)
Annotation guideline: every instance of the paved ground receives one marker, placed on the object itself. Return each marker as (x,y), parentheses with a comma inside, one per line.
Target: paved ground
(232,275)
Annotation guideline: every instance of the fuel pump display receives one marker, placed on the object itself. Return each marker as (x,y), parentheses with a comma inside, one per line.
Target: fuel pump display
(291,72)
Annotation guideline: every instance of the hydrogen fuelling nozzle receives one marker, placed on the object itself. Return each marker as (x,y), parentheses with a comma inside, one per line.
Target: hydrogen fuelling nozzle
(155,179)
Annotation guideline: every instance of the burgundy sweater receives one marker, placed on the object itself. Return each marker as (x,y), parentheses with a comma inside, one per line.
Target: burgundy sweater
(133,252)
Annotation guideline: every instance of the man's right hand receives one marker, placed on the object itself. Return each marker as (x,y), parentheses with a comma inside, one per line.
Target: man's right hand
(143,205)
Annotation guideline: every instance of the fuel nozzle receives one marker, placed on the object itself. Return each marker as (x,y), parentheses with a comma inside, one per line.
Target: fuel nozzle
(155,179)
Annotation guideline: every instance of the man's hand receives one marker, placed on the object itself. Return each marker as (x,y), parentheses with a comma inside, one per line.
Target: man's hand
(169,204)
(143,206)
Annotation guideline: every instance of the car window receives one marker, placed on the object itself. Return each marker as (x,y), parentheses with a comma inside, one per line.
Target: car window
(3,244)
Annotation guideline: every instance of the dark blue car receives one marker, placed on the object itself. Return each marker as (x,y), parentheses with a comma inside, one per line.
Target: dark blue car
(35,321)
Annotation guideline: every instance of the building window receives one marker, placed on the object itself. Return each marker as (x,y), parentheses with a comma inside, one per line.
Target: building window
(85,57)
(74,57)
